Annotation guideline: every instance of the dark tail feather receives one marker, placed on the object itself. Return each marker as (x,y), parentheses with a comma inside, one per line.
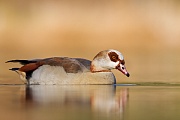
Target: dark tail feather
(23,62)
(14,69)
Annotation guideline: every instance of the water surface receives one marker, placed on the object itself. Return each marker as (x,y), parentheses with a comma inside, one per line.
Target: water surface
(90,102)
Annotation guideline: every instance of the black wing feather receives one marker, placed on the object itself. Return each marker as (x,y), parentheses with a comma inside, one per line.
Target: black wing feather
(22,62)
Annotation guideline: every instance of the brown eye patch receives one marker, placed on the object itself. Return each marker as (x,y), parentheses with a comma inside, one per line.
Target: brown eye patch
(113,56)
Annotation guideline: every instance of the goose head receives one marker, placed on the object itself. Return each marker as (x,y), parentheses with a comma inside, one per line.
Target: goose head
(107,60)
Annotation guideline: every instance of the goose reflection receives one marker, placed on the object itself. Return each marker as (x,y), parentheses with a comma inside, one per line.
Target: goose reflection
(98,98)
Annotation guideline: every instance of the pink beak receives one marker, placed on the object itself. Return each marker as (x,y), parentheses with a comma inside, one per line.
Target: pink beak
(122,68)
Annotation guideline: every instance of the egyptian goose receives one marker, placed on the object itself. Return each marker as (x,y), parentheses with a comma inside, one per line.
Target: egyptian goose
(65,70)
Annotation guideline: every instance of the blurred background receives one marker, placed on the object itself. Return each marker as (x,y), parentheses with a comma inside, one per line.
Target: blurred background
(146,32)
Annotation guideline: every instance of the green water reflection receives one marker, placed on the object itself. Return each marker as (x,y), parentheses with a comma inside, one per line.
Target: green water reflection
(89,102)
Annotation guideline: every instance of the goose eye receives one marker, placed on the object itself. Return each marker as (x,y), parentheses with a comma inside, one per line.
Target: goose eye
(113,57)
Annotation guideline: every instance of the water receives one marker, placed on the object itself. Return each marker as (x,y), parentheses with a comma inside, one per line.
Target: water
(89,102)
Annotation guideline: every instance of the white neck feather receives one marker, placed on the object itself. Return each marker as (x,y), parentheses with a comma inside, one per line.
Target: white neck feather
(102,65)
